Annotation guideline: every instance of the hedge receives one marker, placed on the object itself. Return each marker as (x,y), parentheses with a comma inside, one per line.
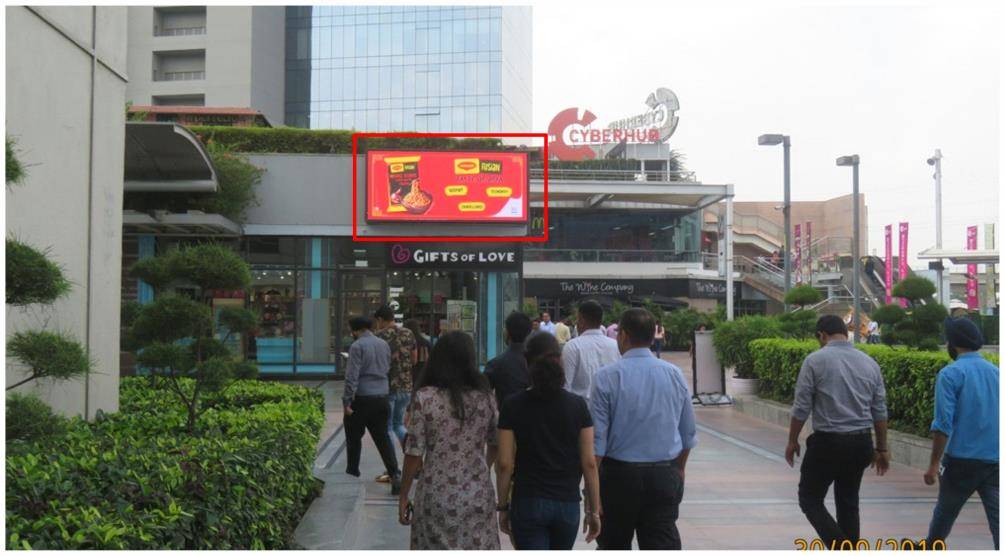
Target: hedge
(323,141)
(909,376)
(134,480)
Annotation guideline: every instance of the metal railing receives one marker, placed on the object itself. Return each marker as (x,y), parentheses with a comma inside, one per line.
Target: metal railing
(608,256)
(180,31)
(613,175)
(179,76)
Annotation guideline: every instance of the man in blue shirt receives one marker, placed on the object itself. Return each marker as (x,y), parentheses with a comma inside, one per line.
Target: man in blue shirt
(965,428)
(644,429)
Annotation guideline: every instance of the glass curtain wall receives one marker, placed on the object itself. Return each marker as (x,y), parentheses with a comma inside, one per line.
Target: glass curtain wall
(398,68)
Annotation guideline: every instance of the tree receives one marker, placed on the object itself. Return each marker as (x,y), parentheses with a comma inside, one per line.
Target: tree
(175,336)
(33,279)
(921,325)
(914,289)
(803,295)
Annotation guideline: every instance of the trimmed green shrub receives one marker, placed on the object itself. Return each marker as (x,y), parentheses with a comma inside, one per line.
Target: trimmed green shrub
(731,339)
(29,419)
(31,276)
(324,141)
(48,355)
(909,376)
(803,295)
(136,481)
(680,325)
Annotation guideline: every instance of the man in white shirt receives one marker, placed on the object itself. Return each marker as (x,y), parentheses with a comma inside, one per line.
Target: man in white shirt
(546,324)
(588,351)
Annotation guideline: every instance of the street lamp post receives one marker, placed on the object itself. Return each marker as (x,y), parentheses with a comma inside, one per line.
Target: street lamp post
(852,161)
(775,139)
(936,161)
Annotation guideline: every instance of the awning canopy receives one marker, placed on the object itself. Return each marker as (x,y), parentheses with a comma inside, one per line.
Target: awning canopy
(961,256)
(189,224)
(683,196)
(166,158)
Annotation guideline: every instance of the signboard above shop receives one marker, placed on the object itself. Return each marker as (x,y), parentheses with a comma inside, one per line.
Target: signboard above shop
(486,256)
(573,136)
(441,186)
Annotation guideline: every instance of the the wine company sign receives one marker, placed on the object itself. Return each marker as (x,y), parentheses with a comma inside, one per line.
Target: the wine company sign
(597,287)
(571,136)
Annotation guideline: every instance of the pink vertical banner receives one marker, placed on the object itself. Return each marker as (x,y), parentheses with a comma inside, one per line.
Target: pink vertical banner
(972,303)
(902,256)
(888,277)
(798,263)
(809,250)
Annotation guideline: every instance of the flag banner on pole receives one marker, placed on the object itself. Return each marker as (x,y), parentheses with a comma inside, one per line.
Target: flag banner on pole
(798,263)
(972,303)
(902,255)
(888,277)
(809,251)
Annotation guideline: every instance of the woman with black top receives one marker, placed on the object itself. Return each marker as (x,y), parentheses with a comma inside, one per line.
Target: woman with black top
(545,449)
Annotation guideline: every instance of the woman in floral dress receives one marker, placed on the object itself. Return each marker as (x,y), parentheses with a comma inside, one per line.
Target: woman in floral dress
(448,452)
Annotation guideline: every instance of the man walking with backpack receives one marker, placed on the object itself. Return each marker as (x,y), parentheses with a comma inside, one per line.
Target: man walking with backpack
(402,345)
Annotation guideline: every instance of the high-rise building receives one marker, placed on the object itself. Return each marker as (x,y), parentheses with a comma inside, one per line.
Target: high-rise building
(219,56)
(403,68)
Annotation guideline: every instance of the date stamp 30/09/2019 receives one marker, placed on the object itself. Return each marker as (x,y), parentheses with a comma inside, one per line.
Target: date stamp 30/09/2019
(865,544)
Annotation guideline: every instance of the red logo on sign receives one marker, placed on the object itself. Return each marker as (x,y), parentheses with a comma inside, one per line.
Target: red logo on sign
(556,131)
(467,165)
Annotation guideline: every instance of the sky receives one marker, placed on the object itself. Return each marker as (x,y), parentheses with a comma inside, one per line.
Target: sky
(890,84)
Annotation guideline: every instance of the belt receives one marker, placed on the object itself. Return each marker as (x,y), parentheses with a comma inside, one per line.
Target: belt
(619,463)
(846,433)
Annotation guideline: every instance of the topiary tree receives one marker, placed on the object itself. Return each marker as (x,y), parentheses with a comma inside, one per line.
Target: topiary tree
(798,324)
(33,279)
(803,295)
(914,289)
(175,336)
(921,325)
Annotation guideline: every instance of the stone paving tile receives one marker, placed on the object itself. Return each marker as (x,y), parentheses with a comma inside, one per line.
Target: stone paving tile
(739,494)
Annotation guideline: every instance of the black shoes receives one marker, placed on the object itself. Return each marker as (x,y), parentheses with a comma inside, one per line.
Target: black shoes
(396,484)
(352,472)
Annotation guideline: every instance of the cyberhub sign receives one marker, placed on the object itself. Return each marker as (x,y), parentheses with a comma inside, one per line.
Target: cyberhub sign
(572,136)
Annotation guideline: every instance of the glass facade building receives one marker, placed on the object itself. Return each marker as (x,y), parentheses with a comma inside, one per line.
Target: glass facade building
(409,68)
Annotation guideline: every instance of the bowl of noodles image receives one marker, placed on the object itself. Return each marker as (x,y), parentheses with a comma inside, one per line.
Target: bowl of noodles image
(416,201)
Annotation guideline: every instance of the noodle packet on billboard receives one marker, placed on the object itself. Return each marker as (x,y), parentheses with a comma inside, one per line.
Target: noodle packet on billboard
(402,172)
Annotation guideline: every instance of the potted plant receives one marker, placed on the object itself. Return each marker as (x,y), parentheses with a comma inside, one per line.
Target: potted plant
(731,339)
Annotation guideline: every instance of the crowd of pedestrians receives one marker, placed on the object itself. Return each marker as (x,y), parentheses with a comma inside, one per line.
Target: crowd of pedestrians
(589,432)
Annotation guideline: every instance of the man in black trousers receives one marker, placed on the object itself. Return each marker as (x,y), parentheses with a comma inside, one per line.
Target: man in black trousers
(644,429)
(843,389)
(365,399)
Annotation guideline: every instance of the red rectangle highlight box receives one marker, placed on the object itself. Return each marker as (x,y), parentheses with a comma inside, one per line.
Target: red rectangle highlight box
(383,193)
(446,186)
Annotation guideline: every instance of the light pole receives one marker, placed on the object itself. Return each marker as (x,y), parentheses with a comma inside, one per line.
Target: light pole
(775,139)
(852,160)
(936,161)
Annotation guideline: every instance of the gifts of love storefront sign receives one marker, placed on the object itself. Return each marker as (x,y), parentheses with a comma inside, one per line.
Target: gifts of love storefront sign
(440,186)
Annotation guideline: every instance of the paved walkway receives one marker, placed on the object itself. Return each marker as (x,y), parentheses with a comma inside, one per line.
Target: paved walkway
(740,493)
